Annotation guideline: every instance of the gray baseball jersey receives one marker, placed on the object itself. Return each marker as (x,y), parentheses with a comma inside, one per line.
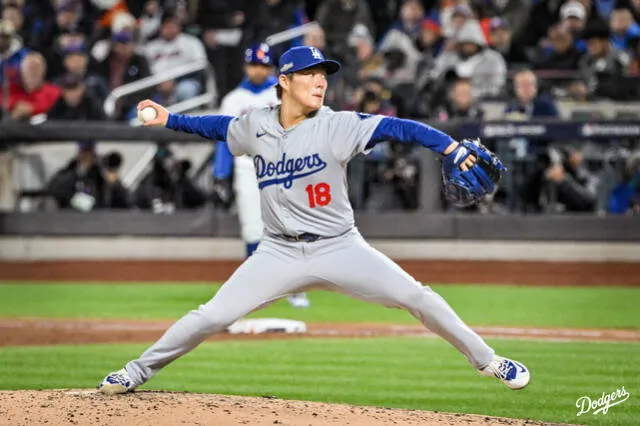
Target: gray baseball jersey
(301,171)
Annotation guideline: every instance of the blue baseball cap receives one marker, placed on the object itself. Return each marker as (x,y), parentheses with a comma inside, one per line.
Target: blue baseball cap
(258,54)
(302,57)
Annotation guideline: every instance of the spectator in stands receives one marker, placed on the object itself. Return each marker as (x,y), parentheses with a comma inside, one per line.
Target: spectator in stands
(578,91)
(228,26)
(541,15)
(54,51)
(12,53)
(28,21)
(113,195)
(528,103)
(34,95)
(362,44)
(150,20)
(79,183)
(338,18)
(605,68)
(625,197)
(122,66)
(172,49)
(107,11)
(460,15)
(167,186)
(561,54)
(460,104)
(373,97)
(12,12)
(502,42)
(121,22)
(68,19)
(573,16)
(514,12)
(409,21)
(275,16)
(76,61)
(623,28)
(76,103)
(576,168)
(474,60)
(430,42)
(398,58)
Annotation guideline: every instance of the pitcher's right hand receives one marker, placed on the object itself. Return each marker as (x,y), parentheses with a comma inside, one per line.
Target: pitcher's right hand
(162,114)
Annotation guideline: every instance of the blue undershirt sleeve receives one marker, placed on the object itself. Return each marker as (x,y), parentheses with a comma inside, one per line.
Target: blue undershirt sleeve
(409,131)
(208,126)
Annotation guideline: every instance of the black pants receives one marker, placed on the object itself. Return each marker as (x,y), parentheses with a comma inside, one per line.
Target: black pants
(227,63)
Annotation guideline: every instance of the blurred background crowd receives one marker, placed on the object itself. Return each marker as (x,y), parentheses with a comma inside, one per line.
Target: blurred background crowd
(430,59)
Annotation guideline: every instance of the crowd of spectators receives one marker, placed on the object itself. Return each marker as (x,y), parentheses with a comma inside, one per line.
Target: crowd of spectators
(436,59)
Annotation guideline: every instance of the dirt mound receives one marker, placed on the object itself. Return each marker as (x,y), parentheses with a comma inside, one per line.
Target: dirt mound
(88,407)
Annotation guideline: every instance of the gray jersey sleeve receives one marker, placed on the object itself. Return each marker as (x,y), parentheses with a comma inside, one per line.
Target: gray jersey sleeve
(239,135)
(351,132)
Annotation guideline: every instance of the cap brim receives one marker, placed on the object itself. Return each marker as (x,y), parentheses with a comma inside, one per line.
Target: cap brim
(331,67)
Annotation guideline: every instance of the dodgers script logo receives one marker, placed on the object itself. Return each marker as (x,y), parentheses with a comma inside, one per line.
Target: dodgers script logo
(602,404)
(286,170)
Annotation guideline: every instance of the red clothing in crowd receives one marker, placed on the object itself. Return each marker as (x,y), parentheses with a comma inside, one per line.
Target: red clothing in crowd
(41,99)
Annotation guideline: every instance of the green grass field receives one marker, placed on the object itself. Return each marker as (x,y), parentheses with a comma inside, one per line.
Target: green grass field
(588,307)
(412,373)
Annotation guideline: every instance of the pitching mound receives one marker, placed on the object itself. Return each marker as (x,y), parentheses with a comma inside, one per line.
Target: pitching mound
(88,407)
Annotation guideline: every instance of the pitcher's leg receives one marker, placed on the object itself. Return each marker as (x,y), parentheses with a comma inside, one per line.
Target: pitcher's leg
(261,279)
(362,271)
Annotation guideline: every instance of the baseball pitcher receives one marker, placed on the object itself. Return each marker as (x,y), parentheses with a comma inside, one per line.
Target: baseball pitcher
(300,150)
(257,90)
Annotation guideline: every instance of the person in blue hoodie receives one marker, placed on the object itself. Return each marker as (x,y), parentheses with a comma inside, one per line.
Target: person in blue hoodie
(623,28)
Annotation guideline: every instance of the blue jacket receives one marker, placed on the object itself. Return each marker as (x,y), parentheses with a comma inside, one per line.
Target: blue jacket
(621,42)
(11,65)
(540,107)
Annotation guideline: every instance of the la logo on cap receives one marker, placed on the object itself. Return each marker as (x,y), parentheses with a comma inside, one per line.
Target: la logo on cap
(316,53)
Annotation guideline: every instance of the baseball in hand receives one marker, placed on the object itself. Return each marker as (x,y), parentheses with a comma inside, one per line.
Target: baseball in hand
(147,114)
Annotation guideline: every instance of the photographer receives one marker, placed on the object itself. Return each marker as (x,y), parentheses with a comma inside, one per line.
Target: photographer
(79,184)
(560,183)
(387,178)
(167,187)
(87,183)
(113,195)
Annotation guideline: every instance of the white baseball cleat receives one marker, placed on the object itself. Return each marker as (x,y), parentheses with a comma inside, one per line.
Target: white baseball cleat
(299,300)
(512,373)
(116,382)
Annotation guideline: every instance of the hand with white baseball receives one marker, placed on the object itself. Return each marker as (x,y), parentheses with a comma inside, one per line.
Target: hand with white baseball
(152,114)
